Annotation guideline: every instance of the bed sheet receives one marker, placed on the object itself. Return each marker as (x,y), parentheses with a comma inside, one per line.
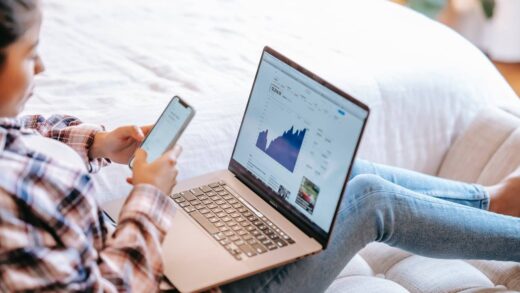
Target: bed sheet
(118,62)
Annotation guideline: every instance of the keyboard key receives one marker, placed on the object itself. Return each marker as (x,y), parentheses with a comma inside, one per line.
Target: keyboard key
(271,246)
(226,219)
(269,232)
(227,197)
(242,210)
(219,224)
(223,229)
(212,206)
(175,195)
(217,210)
(215,198)
(236,228)
(235,215)
(205,188)
(211,193)
(233,201)
(240,219)
(220,202)
(280,243)
(226,206)
(207,202)
(237,205)
(224,242)
(179,199)
(248,250)
(200,206)
(273,237)
(197,191)
(188,196)
(204,222)
(184,204)
(218,189)
(258,248)
(242,233)
(229,233)
(221,215)
(219,236)
(230,210)
(204,211)
(267,242)
(213,185)
(189,209)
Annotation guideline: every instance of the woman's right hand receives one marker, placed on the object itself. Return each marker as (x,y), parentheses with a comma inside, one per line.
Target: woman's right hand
(161,173)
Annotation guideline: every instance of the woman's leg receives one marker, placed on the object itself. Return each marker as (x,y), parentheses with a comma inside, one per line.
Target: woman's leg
(473,195)
(375,209)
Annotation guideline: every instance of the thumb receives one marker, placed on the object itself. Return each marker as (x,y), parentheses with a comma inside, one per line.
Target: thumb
(140,156)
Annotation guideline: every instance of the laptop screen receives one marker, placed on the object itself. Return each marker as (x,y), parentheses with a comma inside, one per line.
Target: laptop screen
(297,141)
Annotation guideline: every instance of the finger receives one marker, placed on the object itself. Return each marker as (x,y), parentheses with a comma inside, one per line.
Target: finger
(140,156)
(146,129)
(177,150)
(129,181)
(136,133)
(171,156)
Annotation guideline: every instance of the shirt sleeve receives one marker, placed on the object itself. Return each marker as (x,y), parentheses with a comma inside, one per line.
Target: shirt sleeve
(128,261)
(71,131)
(136,243)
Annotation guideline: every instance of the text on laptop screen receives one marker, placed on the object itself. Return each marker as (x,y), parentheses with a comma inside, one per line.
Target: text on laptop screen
(299,138)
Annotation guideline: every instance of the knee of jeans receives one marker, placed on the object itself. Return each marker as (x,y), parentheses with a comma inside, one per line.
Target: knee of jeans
(359,167)
(365,183)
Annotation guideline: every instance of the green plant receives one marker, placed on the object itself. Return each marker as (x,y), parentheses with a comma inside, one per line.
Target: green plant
(432,8)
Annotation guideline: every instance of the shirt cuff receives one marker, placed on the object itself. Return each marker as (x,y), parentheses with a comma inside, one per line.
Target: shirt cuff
(147,200)
(81,139)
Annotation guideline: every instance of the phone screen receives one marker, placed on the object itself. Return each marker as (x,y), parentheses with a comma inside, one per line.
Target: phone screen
(167,128)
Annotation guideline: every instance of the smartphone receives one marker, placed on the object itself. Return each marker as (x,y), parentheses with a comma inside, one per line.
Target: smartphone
(167,129)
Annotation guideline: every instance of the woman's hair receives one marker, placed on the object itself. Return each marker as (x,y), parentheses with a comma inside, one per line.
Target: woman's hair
(13,23)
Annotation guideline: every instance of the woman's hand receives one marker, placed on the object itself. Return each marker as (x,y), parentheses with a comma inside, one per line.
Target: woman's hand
(161,173)
(119,144)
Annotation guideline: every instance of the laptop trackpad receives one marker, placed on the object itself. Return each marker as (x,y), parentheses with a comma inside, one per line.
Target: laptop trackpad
(192,259)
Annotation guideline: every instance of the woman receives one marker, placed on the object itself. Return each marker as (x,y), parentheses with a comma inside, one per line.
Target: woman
(53,236)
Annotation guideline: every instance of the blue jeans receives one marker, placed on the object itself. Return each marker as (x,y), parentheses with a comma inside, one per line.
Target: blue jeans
(422,214)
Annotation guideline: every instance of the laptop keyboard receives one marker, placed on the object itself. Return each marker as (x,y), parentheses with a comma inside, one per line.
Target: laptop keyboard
(234,223)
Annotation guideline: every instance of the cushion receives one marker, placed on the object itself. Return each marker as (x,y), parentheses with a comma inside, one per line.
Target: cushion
(485,152)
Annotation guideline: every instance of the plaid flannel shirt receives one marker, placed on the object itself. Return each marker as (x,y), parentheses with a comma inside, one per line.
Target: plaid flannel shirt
(52,233)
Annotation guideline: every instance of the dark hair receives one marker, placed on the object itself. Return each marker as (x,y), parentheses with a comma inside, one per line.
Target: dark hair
(12,23)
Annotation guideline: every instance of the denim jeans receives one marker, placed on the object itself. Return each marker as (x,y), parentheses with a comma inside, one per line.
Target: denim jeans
(422,214)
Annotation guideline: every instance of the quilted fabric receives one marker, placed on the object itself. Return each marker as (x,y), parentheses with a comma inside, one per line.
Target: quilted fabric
(486,152)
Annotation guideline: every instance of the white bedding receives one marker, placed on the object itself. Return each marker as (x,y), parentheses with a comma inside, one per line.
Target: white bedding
(118,62)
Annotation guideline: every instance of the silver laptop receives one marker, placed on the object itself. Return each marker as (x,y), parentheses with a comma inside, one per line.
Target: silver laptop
(279,197)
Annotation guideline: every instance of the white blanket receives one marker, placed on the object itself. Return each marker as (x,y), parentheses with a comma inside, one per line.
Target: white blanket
(119,62)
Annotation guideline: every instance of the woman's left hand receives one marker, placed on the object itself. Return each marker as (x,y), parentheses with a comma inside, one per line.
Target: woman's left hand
(119,144)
